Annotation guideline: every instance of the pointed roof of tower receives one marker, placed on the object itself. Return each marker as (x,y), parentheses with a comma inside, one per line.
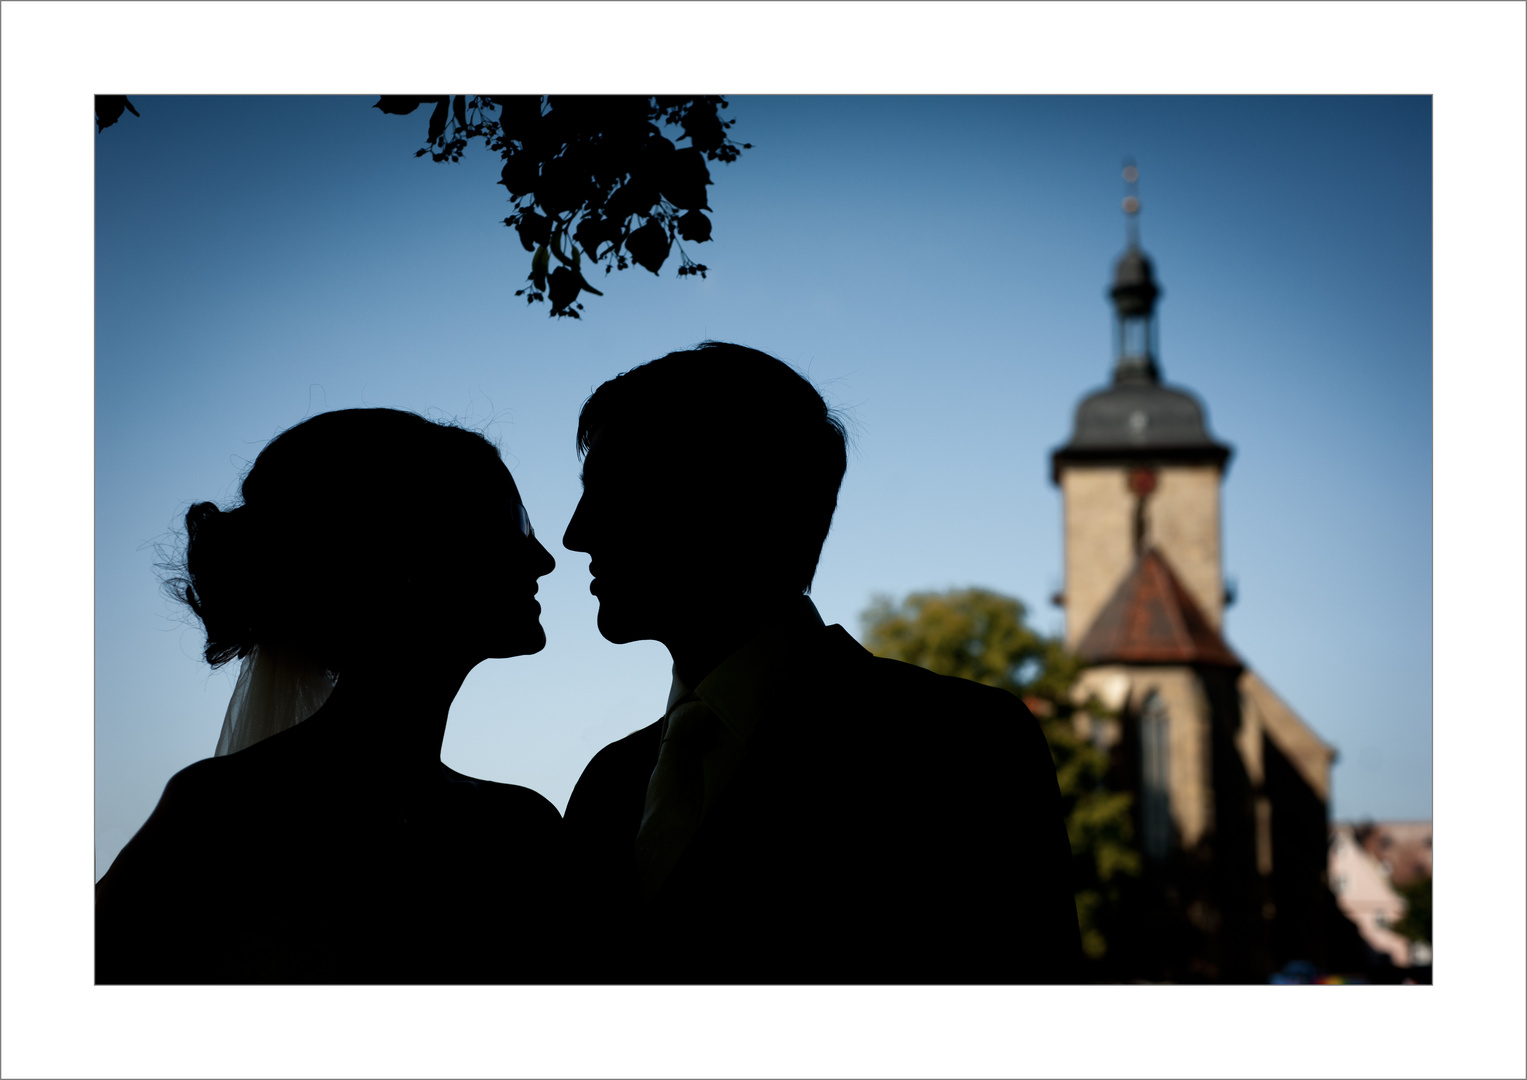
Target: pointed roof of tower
(1137,418)
(1151,619)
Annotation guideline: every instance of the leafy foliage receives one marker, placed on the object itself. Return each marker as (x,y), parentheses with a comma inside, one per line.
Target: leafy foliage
(1416,924)
(591,176)
(109,109)
(980,635)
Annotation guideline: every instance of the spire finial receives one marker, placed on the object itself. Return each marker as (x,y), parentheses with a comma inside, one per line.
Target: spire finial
(1132,203)
(1134,295)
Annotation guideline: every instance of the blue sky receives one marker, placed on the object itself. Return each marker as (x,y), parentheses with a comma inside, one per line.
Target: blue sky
(1045,312)
(936,264)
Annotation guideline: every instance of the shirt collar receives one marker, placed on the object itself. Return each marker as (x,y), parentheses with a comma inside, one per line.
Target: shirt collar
(745,685)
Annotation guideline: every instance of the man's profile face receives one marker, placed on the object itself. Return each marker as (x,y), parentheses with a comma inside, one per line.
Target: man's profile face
(632,522)
(676,538)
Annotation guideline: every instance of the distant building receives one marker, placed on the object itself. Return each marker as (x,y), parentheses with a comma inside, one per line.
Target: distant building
(1365,891)
(1231,786)
(1403,849)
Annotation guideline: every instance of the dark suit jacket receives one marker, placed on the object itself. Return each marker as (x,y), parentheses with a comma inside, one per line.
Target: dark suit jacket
(890,825)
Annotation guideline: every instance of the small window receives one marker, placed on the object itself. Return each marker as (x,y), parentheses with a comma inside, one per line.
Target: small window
(1155,794)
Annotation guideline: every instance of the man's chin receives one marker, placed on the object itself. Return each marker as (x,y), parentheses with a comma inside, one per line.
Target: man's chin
(618,627)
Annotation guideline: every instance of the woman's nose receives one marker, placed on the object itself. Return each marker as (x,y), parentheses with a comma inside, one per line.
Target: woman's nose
(545,564)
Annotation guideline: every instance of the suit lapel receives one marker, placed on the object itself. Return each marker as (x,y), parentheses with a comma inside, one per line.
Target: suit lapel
(777,792)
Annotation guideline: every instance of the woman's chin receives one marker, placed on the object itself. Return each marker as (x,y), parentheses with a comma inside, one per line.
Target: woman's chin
(524,645)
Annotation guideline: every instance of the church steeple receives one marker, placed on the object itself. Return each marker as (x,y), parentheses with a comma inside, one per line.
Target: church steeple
(1134,294)
(1141,471)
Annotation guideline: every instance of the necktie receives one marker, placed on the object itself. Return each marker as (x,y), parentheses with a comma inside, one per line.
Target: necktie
(676,792)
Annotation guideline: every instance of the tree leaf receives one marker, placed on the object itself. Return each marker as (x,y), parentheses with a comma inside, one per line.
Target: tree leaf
(703,126)
(594,231)
(519,115)
(539,266)
(563,287)
(648,246)
(584,284)
(437,119)
(563,186)
(637,195)
(519,174)
(397,106)
(534,230)
(684,178)
(694,226)
(109,109)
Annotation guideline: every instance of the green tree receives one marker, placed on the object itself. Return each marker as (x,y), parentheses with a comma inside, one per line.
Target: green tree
(590,175)
(981,635)
(1416,924)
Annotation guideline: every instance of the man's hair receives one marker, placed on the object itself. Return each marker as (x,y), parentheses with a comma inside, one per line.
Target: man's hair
(736,416)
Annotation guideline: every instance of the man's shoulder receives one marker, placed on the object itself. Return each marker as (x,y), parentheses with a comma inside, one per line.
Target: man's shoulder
(616,772)
(898,687)
(638,746)
(896,677)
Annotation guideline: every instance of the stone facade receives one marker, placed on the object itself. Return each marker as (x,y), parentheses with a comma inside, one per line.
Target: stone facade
(1231,788)
(1098,512)
(1248,791)
(1181,520)
(1189,735)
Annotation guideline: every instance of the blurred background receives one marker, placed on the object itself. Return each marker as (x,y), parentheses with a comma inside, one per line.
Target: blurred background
(939,267)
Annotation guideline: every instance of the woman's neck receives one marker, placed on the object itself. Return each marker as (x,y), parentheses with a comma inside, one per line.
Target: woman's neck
(390,714)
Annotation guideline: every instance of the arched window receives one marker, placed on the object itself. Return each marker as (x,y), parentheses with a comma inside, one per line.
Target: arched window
(1155,796)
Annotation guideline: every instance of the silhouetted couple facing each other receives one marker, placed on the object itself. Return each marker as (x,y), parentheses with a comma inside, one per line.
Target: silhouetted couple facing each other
(801,812)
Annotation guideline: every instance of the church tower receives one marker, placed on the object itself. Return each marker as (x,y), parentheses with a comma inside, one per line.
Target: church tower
(1230,788)
(1140,470)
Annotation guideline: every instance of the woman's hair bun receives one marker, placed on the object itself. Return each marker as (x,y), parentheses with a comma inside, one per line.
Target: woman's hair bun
(330,509)
(217,584)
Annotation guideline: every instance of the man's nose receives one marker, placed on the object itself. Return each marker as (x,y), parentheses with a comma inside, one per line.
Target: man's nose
(573,538)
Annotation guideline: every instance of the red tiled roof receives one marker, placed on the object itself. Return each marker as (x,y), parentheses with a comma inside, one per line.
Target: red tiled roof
(1151,619)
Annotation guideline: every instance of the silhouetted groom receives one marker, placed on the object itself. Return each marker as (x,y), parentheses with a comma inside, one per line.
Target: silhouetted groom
(803,812)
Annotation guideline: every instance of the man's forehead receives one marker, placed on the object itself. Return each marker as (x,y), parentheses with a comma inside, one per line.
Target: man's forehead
(622,452)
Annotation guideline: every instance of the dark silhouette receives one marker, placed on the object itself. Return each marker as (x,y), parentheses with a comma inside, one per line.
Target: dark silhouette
(109,109)
(396,554)
(589,175)
(804,812)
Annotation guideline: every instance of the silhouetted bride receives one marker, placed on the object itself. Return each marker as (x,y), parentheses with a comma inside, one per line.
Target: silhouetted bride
(375,560)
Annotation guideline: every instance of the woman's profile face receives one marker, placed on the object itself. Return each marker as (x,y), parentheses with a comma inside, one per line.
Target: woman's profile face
(492,579)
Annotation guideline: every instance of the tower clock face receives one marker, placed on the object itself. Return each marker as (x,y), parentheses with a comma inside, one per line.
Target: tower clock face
(1142,481)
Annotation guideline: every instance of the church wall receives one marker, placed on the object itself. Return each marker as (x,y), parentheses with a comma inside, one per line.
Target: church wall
(1308,924)
(1183,522)
(1292,736)
(1099,521)
(1242,841)
(1124,688)
(1188,746)
(1243,886)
